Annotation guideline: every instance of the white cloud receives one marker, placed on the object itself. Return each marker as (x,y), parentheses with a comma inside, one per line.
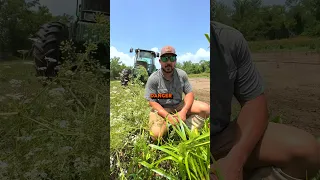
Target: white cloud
(201,54)
(127,58)
(155,49)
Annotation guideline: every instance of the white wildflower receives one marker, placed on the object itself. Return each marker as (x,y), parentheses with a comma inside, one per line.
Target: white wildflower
(69,102)
(15,83)
(65,149)
(57,68)
(28,156)
(42,68)
(26,101)
(56,92)
(69,73)
(2,98)
(51,105)
(42,78)
(17,96)
(50,59)
(28,63)
(24,138)
(104,70)
(3,165)
(63,124)
(43,174)
(95,162)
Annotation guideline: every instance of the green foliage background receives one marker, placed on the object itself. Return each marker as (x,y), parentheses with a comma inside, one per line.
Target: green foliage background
(261,23)
(203,67)
(19,20)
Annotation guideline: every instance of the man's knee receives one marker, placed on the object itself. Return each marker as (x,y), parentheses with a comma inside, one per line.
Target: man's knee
(157,131)
(156,124)
(289,148)
(292,144)
(203,109)
(303,146)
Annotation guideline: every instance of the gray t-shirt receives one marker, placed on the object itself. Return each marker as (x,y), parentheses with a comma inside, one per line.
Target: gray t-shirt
(157,84)
(232,74)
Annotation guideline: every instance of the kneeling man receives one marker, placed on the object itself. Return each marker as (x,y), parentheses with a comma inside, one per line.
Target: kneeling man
(164,90)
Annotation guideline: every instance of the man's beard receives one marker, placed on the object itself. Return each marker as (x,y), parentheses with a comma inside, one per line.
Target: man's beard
(168,68)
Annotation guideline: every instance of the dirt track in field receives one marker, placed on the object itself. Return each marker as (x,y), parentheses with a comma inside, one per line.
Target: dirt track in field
(292,87)
(201,88)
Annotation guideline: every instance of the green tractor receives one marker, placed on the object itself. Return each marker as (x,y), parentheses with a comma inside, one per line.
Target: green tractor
(46,42)
(144,66)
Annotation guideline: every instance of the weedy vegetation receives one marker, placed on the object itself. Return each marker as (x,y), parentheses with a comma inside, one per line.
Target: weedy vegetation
(60,130)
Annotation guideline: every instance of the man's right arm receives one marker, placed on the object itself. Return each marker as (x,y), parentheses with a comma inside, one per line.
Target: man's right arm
(151,88)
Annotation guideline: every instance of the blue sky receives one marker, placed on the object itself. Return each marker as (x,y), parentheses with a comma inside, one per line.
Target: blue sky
(154,24)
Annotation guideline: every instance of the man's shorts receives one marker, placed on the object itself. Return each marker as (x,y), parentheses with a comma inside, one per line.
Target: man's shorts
(223,142)
(192,121)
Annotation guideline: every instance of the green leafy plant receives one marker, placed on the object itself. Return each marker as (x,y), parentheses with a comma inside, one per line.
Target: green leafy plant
(141,75)
(190,154)
(207,37)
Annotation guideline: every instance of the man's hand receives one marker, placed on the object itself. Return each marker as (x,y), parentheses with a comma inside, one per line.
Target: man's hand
(182,115)
(228,169)
(172,119)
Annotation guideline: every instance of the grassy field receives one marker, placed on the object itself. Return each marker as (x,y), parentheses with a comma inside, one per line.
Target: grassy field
(304,44)
(58,131)
(202,75)
(182,154)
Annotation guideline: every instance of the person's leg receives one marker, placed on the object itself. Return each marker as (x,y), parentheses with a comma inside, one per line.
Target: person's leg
(287,151)
(200,108)
(197,114)
(157,124)
(294,151)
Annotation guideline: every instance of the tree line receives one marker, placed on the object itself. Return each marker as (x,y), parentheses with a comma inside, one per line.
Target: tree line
(19,20)
(269,22)
(189,67)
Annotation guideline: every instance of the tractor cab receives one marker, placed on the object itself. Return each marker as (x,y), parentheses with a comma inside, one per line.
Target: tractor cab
(88,9)
(86,19)
(145,58)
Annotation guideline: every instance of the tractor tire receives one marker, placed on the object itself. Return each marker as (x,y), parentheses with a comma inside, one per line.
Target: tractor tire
(46,50)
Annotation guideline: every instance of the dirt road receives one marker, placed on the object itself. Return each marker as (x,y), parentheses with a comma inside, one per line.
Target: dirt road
(292,87)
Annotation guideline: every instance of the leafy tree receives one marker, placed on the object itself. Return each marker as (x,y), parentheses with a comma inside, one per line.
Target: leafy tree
(116,66)
(260,22)
(20,19)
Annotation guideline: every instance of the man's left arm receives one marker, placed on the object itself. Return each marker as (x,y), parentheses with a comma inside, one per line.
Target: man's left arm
(189,96)
(253,117)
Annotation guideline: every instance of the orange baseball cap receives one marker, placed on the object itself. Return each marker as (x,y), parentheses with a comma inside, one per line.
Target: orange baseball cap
(168,50)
